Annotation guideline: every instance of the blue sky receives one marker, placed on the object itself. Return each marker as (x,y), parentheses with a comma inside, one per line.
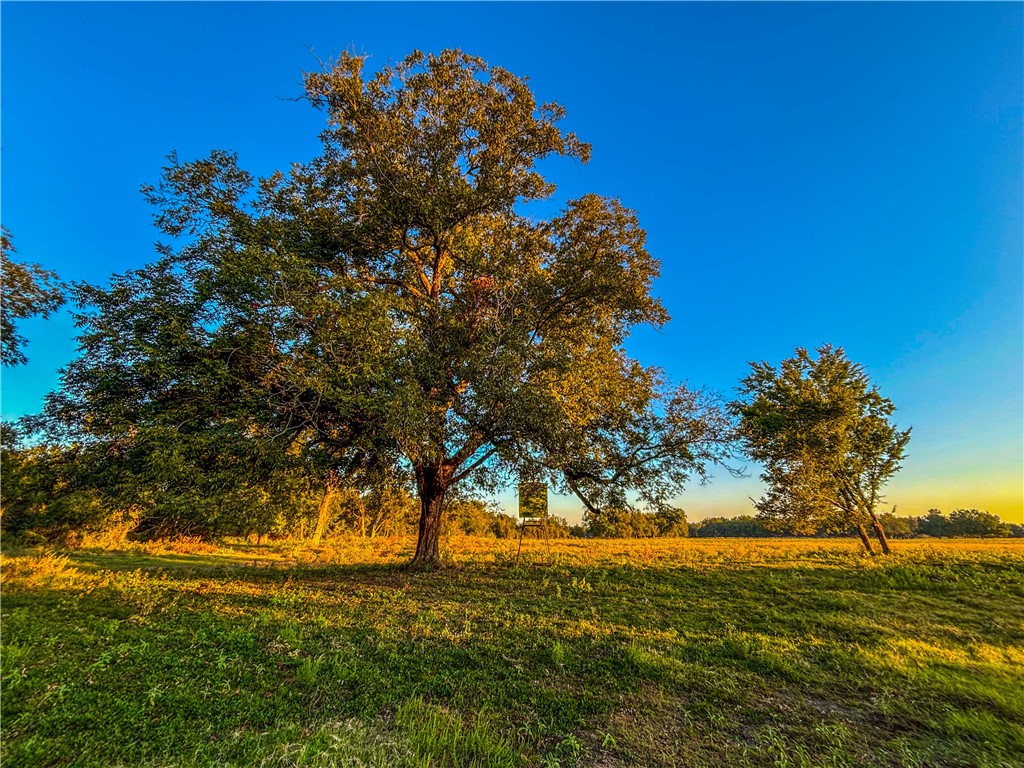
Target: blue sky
(806,173)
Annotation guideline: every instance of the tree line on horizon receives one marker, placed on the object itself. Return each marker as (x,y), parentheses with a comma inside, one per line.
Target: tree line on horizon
(375,339)
(36,509)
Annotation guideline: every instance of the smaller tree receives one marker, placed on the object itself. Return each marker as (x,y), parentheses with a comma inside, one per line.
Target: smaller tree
(672,523)
(898,527)
(504,526)
(741,527)
(43,496)
(933,524)
(617,522)
(824,435)
(468,517)
(28,290)
(975,523)
(626,523)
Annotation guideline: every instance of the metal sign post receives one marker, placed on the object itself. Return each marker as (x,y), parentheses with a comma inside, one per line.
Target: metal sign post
(533,512)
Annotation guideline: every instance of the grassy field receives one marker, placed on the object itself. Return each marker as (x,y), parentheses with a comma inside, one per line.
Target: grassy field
(612,653)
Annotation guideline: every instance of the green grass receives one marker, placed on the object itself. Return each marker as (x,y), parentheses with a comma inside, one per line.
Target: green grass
(690,653)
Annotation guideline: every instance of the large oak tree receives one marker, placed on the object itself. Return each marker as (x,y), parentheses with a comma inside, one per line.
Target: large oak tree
(390,304)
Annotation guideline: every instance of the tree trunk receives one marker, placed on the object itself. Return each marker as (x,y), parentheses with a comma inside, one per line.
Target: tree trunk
(323,517)
(876,525)
(865,539)
(431,482)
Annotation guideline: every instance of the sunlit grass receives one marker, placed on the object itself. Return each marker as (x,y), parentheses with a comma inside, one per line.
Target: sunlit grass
(673,653)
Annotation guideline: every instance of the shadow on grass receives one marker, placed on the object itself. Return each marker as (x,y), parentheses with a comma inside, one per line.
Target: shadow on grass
(191,657)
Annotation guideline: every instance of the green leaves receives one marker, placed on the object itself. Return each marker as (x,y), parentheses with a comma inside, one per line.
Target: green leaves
(437,139)
(27,290)
(822,432)
(384,308)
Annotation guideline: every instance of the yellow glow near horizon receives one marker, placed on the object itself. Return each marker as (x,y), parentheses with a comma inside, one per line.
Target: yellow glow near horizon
(993,488)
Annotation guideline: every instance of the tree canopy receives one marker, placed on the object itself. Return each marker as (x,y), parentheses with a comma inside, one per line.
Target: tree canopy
(388,307)
(963,522)
(28,290)
(824,435)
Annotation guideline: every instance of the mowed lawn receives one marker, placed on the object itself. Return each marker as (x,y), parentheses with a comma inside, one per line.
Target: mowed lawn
(601,653)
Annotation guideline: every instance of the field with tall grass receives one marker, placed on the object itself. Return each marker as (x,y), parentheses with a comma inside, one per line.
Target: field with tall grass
(597,653)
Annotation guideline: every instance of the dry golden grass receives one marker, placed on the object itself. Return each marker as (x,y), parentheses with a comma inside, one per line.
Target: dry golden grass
(470,550)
